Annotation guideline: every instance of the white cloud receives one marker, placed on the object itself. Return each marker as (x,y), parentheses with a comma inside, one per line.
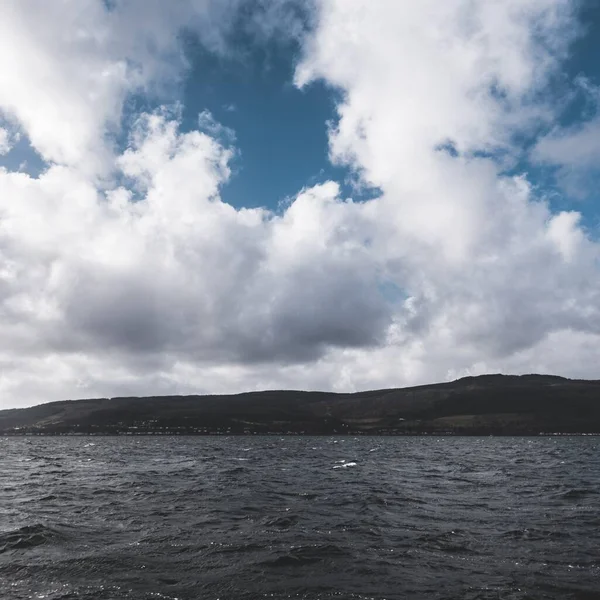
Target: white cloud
(576,146)
(67,67)
(5,142)
(157,286)
(60,78)
(176,275)
(575,152)
(489,271)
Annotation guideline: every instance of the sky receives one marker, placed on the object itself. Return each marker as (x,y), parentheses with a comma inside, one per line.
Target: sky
(216,196)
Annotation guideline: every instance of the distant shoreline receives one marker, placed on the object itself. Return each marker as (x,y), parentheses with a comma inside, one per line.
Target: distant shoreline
(488,405)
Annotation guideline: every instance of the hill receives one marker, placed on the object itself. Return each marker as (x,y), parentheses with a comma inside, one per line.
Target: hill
(484,405)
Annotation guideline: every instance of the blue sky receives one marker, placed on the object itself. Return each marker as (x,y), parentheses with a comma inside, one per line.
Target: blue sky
(583,62)
(281,131)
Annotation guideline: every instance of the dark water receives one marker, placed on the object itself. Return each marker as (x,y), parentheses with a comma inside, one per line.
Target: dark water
(166,518)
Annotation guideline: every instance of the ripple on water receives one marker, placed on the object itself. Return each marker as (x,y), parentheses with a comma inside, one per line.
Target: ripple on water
(311,518)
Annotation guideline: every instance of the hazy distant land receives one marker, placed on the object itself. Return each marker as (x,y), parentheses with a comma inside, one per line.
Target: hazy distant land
(485,405)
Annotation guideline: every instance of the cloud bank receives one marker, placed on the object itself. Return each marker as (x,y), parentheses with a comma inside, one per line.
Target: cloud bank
(123,272)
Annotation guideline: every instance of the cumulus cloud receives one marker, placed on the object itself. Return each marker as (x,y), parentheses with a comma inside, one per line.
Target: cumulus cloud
(176,274)
(486,266)
(147,282)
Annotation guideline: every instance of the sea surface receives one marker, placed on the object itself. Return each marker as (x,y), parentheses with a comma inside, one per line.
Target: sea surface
(299,517)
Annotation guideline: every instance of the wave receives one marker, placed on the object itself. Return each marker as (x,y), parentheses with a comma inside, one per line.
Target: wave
(305,555)
(534,534)
(28,536)
(282,522)
(578,494)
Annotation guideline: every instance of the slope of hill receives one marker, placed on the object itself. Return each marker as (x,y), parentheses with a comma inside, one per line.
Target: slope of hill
(488,404)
